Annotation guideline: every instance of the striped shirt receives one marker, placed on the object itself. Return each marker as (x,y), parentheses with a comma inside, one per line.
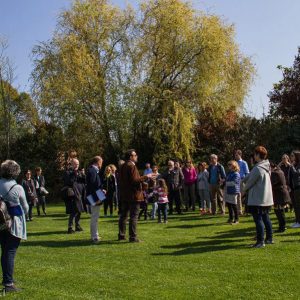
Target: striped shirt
(162,195)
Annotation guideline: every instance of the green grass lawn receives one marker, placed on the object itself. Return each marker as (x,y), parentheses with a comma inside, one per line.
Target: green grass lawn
(191,257)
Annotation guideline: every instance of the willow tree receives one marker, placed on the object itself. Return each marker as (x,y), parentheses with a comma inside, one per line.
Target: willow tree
(139,77)
(80,74)
(187,62)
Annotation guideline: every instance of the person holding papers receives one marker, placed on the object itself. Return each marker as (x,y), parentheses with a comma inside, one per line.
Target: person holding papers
(95,195)
(131,194)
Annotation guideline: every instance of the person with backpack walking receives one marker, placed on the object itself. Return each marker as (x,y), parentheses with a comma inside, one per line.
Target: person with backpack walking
(13,227)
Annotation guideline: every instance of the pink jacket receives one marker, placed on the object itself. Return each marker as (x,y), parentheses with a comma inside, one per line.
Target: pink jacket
(190,175)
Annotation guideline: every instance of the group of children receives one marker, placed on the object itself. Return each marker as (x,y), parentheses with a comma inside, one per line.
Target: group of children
(156,194)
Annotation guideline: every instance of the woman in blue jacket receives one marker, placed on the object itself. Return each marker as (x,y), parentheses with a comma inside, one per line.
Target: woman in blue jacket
(232,191)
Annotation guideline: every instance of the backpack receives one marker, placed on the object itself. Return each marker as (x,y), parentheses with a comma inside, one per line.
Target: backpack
(5,218)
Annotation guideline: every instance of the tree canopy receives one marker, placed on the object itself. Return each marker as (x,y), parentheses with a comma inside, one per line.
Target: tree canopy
(132,78)
(285,96)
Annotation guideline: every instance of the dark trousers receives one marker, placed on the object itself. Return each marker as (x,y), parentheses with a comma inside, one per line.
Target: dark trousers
(9,246)
(29,215)
(74,216)
(262,221)
(189,196)
(109,202)
(174,196)
(41,202)
(144,211)
(280,214)
(233,212)
(131,209)
(162,209)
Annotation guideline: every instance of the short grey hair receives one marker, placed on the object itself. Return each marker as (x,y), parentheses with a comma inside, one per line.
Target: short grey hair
(171,162)
(214,156)
(10,169)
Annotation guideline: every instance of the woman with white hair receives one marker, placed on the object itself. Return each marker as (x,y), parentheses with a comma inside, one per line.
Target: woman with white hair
(17,206)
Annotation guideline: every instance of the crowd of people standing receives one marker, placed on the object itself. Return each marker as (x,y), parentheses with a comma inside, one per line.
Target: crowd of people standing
(179,188)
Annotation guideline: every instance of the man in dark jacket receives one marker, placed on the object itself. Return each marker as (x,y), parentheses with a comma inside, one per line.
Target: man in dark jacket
(40,183)
(131,195)
(93,184)
(174,179)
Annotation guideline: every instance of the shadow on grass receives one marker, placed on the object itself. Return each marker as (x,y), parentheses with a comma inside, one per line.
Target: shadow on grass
(189,226)
(46,233)
(199,247)
(290,241)
(55,216)
(220,242)
(68,243)
(236,233)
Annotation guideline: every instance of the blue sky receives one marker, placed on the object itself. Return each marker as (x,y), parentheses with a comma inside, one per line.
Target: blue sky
(267,30)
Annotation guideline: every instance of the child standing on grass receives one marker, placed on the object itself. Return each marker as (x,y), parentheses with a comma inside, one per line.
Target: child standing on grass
(162,192)
(144,204)
(232,191)
(151,198)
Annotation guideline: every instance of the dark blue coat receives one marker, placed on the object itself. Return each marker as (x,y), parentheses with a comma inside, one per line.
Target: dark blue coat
(93,182)
(233,181)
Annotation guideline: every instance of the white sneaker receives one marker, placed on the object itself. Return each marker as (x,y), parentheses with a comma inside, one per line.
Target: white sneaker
(296,225)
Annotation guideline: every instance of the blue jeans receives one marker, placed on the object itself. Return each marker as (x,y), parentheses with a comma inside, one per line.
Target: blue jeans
(262,221)
(162,208)
(9,246)
(154,210)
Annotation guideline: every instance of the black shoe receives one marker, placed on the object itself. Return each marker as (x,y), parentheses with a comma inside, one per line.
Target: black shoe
(11,289)
(258,245)
(280,230)
(78,228)
(70,231)
(121,238)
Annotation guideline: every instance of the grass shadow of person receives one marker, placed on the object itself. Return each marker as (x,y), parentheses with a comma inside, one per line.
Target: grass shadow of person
(190,226)
(42,233)
(68,243)
(200,247)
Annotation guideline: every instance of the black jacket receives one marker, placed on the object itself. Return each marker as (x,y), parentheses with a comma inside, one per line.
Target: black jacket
(74,181)
(281,195)
(109,184)
(296,177)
